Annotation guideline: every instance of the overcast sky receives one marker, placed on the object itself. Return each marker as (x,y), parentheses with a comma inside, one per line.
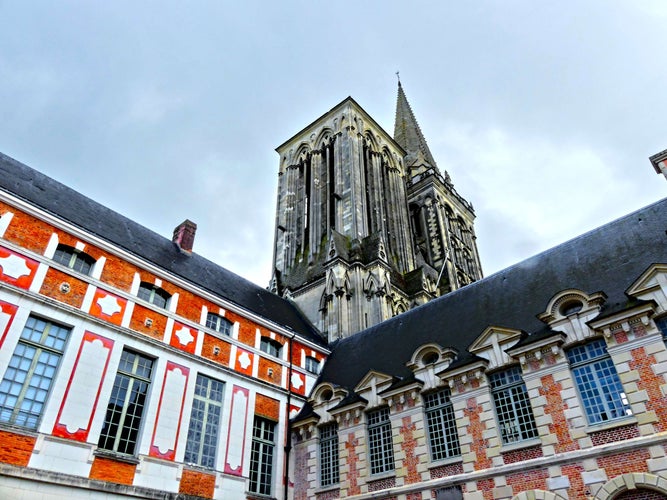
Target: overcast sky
(543,113)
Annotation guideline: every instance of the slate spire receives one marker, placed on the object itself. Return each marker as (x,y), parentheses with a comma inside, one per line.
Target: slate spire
(407,132)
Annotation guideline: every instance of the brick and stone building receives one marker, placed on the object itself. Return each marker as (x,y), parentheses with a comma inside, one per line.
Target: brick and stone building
(130,366)
(367,226)
(547,380)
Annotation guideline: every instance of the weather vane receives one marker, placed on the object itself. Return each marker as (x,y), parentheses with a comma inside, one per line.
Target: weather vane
(398,76)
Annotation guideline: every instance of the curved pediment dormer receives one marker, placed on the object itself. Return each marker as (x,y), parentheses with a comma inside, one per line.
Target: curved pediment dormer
(323,398)
(325,394)
(429,359)
(492,344)
(570,309)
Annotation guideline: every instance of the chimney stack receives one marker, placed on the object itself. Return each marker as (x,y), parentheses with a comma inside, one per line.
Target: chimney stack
(184,235)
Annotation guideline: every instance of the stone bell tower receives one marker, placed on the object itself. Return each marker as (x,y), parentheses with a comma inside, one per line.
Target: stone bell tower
(363,230)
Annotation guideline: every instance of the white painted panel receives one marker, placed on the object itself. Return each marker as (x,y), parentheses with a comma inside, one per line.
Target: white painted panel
(166,427)
(85,383)
(62,456)
(5,219)
(158,475)
(4,321)
(237,427)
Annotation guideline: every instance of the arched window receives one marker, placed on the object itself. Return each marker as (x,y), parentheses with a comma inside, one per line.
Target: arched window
(270,346)
(153,294)
(74,259)
(219,324)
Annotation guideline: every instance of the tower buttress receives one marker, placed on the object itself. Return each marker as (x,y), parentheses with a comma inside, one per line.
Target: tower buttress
(363,227)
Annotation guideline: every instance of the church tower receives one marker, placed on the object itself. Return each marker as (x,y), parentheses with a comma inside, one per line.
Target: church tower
(366,225)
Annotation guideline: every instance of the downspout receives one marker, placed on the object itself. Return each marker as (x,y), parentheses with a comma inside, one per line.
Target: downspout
(288,435)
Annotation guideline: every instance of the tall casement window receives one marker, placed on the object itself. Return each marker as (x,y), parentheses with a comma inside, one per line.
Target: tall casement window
(270,346)
(153,294)
(597,381)
(29,376)
(219,324)
(261,456)
(204,428)
(380,445)
(329,454)
(74,259)
(126,406)
(442,434)
(515,415)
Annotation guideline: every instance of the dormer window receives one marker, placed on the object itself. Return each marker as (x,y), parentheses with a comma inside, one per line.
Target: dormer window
(571,307)
(153,294)
(74,259)
(219,324)
(430,358)
(270,346)
(326,395)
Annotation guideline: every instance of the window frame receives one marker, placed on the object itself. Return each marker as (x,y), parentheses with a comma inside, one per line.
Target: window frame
(514,411)
(443,435)
(125,423)
(201,445)
(587,362)
(329,467)
(46,352)
(262,456)
(380,442)
(153,294)
(270,346)
(74,259)
(219,324)
(315,365)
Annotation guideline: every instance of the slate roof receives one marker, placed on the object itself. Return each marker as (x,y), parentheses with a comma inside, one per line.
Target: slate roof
(607,259)
(65,203)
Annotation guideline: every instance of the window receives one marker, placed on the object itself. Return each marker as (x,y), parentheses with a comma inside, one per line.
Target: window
(571,307)
(261,456)
(74,259)
(515,416)
(442,434)
(126,406)
(312,365)
(219,324)
(153,294)
(328,455)
(380,445)
(205,422)
(597,381)
(270,346)
(662,325)
(28,379)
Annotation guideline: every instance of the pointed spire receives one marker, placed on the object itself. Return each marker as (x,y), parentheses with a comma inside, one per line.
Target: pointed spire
(407,132)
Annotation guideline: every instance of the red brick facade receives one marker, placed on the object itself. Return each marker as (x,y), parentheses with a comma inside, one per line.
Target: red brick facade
(15,449)
(198,484)
(113,471)
(105,303)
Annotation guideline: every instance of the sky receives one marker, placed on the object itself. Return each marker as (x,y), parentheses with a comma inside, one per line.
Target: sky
(543,113)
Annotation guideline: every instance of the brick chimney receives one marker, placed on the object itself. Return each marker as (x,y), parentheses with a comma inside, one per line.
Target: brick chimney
(184,235)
